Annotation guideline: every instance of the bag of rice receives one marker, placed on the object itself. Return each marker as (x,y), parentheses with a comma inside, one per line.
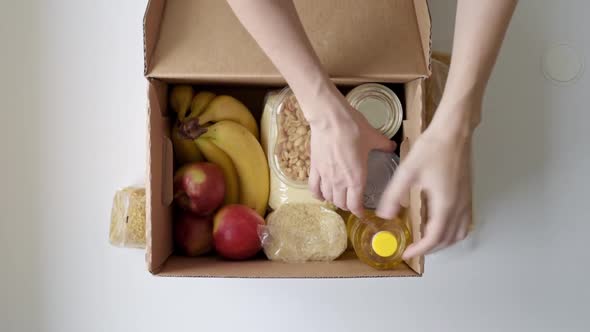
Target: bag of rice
(300,232)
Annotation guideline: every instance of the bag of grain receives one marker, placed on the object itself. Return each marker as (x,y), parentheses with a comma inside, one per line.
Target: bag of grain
(127,227)
(301,232)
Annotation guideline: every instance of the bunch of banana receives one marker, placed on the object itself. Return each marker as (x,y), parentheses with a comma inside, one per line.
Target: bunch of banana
(207,107)
(223,131)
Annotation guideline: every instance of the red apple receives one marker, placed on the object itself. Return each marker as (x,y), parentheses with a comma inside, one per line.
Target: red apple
(193,235)
(235,232)
(199,187)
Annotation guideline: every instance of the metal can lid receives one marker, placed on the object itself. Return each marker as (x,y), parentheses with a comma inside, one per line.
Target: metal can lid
(380,169)
(379,105)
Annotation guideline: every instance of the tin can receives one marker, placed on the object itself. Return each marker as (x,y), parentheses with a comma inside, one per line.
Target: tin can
(380,106)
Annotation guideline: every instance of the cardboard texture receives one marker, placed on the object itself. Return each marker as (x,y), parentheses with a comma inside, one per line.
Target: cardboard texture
(412,129)
(201,42)
(346,266)
(151,29)
(382,40)
(158,214)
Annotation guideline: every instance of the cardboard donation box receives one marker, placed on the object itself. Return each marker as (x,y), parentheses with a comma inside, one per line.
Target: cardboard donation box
(202,43)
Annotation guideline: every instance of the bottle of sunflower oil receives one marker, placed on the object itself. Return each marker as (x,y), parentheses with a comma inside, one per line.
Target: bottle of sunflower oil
(377,242)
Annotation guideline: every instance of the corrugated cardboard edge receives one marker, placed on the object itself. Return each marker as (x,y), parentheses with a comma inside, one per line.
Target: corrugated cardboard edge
(178,55)
(425,27)
(151,29)
(148,188)
(211,267)
(417,125)
(276,81)
(158,211)
(413,127)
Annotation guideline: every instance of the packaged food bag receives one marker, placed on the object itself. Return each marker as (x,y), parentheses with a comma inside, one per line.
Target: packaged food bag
(127,227)
(302,232)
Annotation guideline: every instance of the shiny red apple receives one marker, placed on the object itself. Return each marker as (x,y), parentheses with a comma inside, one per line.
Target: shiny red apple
(193,235)
(199,187)
(235,232)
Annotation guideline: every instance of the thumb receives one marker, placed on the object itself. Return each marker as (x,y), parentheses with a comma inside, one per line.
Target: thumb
(382,143)
(400,185)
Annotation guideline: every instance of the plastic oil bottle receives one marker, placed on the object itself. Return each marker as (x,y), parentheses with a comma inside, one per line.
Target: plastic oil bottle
(377,242)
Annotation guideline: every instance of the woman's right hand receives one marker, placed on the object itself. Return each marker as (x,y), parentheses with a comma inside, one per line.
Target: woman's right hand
(341,139)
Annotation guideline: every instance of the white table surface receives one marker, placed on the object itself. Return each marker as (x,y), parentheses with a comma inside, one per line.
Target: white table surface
(72,130)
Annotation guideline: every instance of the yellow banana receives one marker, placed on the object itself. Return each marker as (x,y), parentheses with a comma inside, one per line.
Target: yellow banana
(180,99)
(229,108)
(215,155)
(185,150)
(198,105)
(247,156)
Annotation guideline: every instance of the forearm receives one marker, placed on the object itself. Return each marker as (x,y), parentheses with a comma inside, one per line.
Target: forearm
(277,29)
(480,28)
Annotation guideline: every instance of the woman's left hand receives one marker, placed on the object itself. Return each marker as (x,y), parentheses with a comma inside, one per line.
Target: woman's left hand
(439,163)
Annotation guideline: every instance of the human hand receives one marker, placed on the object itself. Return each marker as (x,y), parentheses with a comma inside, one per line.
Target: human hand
(340,144)
(440,164)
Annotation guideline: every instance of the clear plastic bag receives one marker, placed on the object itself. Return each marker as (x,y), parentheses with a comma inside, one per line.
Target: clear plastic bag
(297,232)
(127,227)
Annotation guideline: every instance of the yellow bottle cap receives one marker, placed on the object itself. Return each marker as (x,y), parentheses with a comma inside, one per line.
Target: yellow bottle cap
(384,243)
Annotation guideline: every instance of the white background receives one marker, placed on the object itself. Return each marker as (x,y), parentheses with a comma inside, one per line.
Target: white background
(73,131)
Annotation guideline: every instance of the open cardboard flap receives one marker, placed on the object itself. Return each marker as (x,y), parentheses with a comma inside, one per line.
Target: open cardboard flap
(203,41)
